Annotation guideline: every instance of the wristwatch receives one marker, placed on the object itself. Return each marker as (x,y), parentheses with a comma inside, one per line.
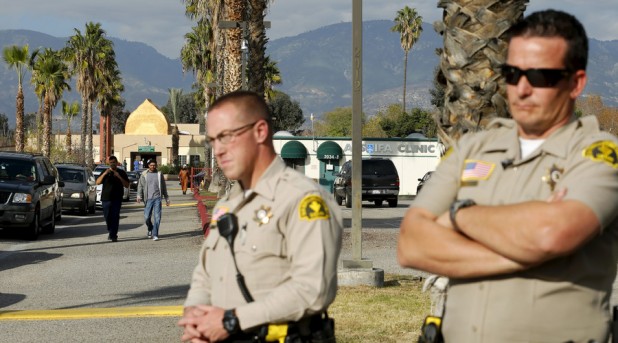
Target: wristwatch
(230,322)
(456,206)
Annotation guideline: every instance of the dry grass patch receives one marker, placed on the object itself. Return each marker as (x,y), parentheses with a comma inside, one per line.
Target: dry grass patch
(393,313)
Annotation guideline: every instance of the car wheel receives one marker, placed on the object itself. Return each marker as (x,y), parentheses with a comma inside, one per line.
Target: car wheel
(378,203)
(338,199)
(51,227)
(34,228)
(92,209)
(348,200)
(83,208)
(392,203)
(58,214)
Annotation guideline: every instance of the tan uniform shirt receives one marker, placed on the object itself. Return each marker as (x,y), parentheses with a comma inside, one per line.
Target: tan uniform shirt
(287,249)
(560,300)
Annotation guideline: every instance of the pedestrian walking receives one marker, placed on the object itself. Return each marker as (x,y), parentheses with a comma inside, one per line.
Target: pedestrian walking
(183,176)
(270,260)
(151,189)
(114,180)
(522,217)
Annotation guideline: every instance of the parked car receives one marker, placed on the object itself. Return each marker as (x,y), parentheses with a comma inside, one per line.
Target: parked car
(133,179)
(97,172)
(422,181)
(30,194)
(79,191)
(380,181)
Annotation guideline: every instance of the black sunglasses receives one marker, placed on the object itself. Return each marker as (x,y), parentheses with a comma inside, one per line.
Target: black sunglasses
(536,77)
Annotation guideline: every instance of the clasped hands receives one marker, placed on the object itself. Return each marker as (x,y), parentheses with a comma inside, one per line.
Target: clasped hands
(203,324)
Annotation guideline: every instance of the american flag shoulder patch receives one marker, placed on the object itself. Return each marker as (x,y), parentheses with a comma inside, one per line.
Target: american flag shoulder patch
(475,170)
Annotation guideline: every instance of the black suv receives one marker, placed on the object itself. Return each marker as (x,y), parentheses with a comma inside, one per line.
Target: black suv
(30,194)
(380,182)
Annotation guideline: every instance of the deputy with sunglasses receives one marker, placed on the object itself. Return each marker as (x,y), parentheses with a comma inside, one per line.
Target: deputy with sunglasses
(286,248)
(522,217)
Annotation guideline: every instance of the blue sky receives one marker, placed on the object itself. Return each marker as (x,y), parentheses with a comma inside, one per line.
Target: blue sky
(162,23)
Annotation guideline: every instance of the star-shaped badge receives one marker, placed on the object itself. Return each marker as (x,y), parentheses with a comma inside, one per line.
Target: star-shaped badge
(263,215)
(553,176)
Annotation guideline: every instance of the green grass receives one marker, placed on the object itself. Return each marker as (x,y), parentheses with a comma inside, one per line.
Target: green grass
(393,313)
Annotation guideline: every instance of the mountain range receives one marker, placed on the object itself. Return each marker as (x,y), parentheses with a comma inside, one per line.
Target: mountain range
(315,67)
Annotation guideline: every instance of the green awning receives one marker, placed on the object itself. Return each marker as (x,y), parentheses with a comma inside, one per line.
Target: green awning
(329,151)
(293,149)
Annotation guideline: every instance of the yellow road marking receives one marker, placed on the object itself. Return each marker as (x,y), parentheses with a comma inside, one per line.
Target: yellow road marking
(88,313)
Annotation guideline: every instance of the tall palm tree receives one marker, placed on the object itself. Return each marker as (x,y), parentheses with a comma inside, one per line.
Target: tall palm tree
(175,95)
(69,110)
(409,25)
(196,55)
(52,75)
(88,55)
(474,49)
(18,58)
(109,96)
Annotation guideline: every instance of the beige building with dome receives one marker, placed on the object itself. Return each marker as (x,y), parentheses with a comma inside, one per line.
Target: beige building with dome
(148,135)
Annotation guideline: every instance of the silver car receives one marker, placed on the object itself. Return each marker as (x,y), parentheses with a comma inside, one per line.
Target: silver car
(79,191)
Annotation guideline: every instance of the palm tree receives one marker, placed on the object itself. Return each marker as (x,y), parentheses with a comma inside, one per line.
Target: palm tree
(52,75)
(474,48)
(18,58)
(175,95)
(88,55)
(109,96)
(272,76)
(69,110)
(409,25)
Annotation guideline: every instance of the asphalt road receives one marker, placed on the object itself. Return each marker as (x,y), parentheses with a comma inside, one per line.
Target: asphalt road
(79,271)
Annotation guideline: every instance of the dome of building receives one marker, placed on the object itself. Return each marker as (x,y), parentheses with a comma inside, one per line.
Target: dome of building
(283,133)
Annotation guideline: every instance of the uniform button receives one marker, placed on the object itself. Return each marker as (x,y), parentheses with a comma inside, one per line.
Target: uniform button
(225,247)
(254,248)
(474,328)
(481,287)
(221,278)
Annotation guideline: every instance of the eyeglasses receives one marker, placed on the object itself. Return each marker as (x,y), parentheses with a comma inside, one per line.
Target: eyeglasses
(536,77)
(227,136)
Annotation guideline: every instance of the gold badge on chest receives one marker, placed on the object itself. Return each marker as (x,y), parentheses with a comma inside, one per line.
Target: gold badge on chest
(263,215)
(553,176)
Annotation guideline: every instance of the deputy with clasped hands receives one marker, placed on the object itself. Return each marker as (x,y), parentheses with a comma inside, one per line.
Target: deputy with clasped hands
(286,247)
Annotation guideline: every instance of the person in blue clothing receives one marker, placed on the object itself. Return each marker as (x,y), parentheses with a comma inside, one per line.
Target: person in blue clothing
(151,189)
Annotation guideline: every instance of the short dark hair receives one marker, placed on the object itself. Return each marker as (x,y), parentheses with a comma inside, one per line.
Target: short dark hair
(112,157)
(553,23)
(247,101)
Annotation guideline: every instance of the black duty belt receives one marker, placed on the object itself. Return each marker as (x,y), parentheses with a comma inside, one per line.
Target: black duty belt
(319,328)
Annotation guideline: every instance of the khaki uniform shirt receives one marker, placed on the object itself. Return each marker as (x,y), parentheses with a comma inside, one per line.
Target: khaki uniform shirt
(287,248)
(562,299)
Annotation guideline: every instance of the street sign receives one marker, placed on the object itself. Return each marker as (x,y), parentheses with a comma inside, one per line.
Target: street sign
(145,148)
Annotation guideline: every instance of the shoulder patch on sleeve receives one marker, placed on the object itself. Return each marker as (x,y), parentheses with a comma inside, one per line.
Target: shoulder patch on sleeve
(603,151)
(313,207)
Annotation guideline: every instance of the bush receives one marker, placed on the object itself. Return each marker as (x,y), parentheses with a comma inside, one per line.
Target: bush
(169,169)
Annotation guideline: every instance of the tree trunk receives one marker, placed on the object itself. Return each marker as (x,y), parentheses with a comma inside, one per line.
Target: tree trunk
(19,120)
(46,126)
(257,46)
(232,58)
(89,148)
(82,141)
(474,49)
(102,139)
(405,77)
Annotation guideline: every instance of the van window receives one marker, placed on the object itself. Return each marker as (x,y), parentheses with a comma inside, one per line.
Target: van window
(378,167)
